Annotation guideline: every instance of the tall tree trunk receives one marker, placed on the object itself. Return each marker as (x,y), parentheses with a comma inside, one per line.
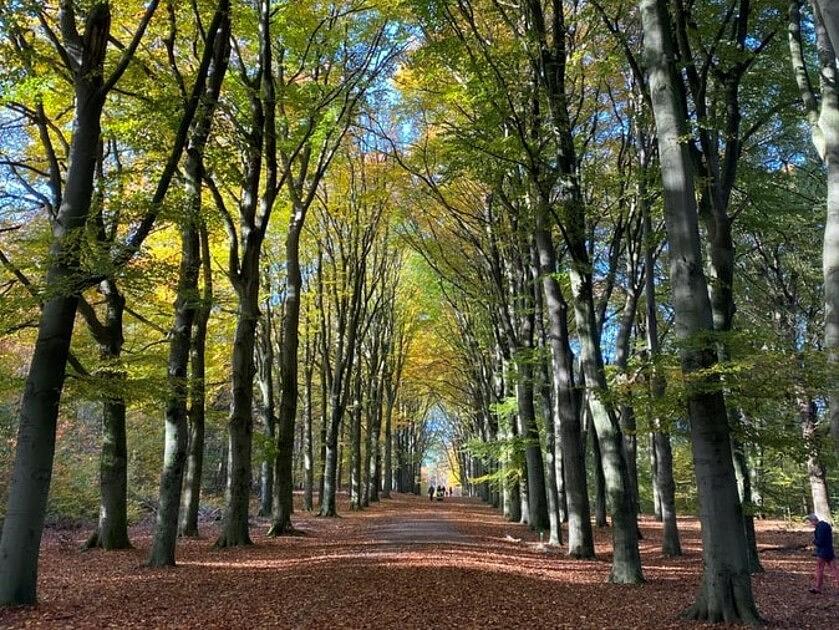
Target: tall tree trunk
(356,480)
(567,417)
(661,454)
(190,500)
(112,529)
(626,562)
(30,481)
(537,504)
(265,373)
(283,503)
(174,454)
(188,301)
(387,474)
(654,479)
(308,448)
(726,592)
(234,530)
(599,481)
(816,472)
(324,419)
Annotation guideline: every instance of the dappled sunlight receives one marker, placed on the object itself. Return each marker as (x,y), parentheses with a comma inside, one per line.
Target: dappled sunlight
(403,548)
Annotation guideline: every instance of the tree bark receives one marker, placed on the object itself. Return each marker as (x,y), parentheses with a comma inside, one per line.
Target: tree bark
(567,417)
(816,472)
(283,503)
(174,454)
(30,481)
(191,497)
(265,372)
(726,593)
(112,529)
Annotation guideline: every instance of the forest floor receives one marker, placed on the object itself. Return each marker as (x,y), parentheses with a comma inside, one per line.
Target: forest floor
(404,563)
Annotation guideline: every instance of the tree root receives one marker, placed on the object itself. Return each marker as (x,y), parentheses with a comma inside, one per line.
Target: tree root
(729,605)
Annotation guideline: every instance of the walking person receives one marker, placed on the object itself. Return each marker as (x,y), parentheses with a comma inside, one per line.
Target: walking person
(431,492)
(823,542)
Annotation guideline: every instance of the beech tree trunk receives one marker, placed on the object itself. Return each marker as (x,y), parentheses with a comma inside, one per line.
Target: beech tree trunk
(284,491)
(816,472)
(387,474)
(567,417)
(537,506)
(174,453)
(112,528)
(191,493)
(726,592)
(32,472)
(187,303)
(234,528)
(265,371)
(308,448)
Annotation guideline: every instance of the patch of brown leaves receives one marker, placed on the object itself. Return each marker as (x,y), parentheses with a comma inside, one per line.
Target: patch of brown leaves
(404,563)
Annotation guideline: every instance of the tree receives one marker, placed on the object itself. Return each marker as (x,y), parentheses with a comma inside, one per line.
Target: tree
(83,54)
(726,593)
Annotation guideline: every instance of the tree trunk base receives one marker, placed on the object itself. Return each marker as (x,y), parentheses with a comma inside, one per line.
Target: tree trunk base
(581,554)
(109,543)
(189,533)
(328,513)
(233,539)
(730,603)
(625,575)
(159,563)
(283,528)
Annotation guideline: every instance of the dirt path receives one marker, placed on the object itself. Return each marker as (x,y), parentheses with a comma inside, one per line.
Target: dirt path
(405,563)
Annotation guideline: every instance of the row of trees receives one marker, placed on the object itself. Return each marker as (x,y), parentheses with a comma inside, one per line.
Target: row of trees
(247,108)
(569,224)
(620,208)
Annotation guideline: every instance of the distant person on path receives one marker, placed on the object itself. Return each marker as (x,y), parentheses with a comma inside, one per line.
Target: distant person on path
(823,541)
(431,492)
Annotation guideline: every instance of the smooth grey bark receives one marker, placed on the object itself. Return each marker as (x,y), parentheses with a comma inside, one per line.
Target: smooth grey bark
(30,481)
(244,272)
(661,454)
(551,59)
(387,471)
(324,401)
(374,419)
(308,447)
(537,505)
(816,472)
(356,412)
(191,492)
(626,412)
(112,528)
(654,480)
(175,441)
(744,489)
(567,418)
(726,593)
(265,379)
(823,117)
(599,480)
(188,300)
(283,502)
(547,408)
(339,394)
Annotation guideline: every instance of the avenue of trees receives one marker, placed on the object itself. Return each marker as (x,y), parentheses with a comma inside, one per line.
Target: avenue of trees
(256,247)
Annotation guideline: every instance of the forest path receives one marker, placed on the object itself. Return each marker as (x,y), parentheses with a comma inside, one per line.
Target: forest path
(405,562)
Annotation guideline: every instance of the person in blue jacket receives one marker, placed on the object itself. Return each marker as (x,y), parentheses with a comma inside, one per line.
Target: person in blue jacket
(823,542)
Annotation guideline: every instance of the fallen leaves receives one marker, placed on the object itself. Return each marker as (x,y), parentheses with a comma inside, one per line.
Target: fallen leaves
(404,563)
